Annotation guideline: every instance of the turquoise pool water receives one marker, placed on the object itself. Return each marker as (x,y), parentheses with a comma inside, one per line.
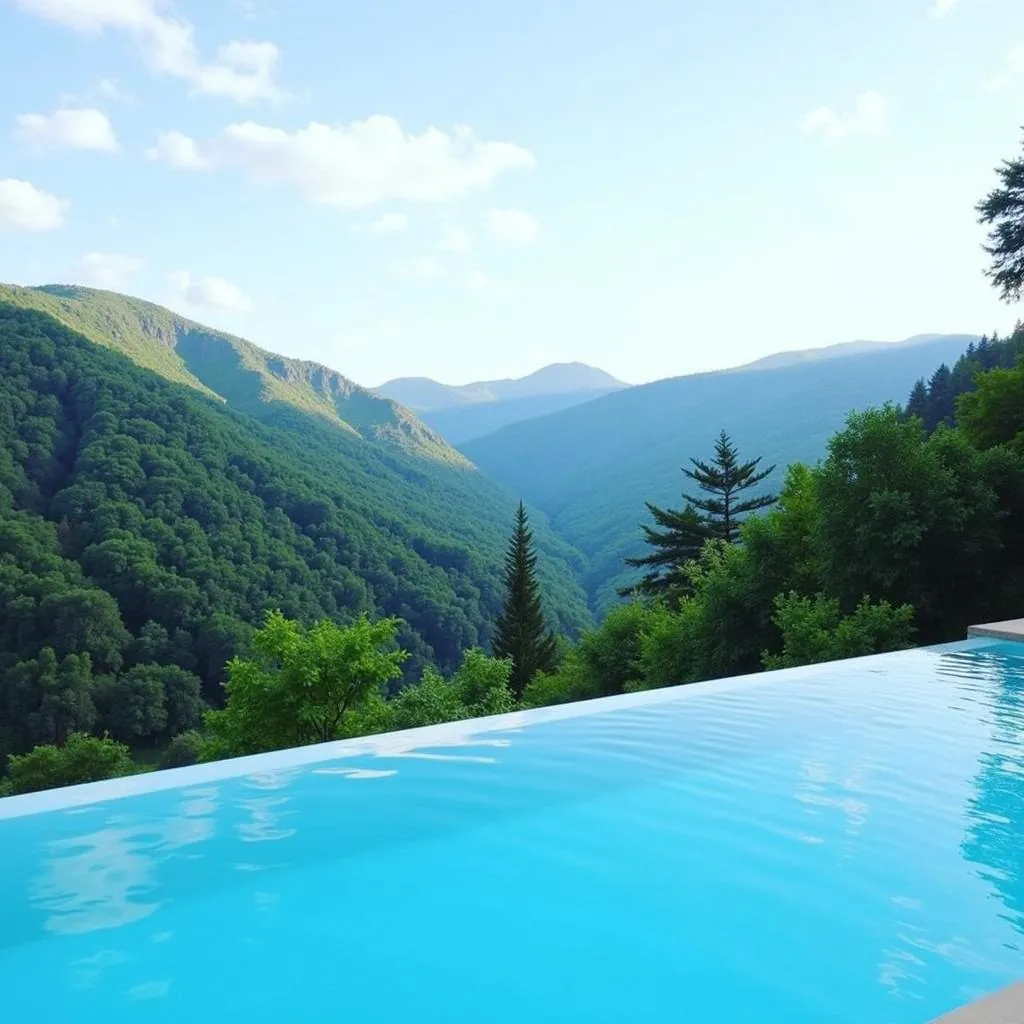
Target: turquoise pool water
(838,843)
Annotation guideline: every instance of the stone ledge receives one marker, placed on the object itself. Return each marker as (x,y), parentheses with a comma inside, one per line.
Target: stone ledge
(1011,629)
(1004,1007)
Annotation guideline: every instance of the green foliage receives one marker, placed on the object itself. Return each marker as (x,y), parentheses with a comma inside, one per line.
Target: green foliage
(910,520)
(81,759)
(1003,211)
(520,633)
(302,683)
(722,482)
(814,629)
(994,413)
(678,542)
(479,688)
(185,749)
(937,401)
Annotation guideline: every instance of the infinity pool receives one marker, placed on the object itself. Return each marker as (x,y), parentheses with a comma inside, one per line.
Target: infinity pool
(837,843)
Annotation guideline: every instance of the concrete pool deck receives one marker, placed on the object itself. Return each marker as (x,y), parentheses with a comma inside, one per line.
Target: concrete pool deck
(1010,629)
(1004,1007)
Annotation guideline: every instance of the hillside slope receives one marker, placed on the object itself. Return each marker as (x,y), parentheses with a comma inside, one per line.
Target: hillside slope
(592,467)
(425,395)
(196,519)
(462,423)
(246,377)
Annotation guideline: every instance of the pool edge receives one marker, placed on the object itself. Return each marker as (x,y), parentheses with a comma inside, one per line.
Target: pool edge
(1003,1007)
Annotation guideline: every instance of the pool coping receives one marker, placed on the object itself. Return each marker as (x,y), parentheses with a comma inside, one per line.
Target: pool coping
(1008,629)
(1003,1007)
(391,744)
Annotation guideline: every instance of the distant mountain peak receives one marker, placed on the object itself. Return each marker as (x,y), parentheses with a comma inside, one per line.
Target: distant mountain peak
(423,394)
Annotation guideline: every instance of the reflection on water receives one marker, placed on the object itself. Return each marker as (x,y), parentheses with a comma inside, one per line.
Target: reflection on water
(107,878)
(995,835)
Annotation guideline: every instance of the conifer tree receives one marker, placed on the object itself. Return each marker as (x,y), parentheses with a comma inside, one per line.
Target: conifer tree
(520,632)
(723,480)
(678,542)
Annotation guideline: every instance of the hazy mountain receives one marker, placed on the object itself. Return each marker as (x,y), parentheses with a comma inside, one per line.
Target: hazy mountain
(592,467)
(425,395)
(848,348)
(462,423)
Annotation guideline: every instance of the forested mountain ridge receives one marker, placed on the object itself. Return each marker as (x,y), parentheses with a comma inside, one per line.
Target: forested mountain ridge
(592,467)
(143,524)
(243,375)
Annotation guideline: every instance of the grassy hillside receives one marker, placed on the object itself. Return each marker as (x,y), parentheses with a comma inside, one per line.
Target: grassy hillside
(592,467)
(246,377)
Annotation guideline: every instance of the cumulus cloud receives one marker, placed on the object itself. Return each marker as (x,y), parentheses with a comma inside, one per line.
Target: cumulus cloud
(85,128)
(240,70)
(940,8)
(454,240)
(512,226)
(365,162)
(869,117)
(111,270)
(23,207)
(210,292)
(177,150)
(389,224)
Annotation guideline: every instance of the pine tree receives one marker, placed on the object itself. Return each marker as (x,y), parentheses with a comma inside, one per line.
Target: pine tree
(678,542)
(724,479)
(520,632)
(917,404)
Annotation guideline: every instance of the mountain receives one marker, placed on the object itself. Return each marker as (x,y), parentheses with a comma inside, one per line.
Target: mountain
(220,365)
(848,348)
(462,423)
(592,467)
(150,519)
(422,394)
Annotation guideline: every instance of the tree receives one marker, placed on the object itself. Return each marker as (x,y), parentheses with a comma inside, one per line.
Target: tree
(679,541)
(814,630)
(724,479)
(520,633)
(44,700)
(82,759)
(131,707)
(1003,210)
(302,684)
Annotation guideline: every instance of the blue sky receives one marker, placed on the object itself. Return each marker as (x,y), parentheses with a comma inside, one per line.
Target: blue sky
(471,189)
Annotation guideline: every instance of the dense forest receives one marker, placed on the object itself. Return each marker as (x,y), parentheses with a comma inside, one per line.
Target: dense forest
(145,530)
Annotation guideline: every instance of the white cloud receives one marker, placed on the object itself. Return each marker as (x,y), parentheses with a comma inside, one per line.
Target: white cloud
(454,240)
(477,279)
(177,150)
(211,292)
(110,270)
(422,266)
(23,207)
(84,128)
(389,224)
(940,8)
(110,90)
(869,117)
(512,226)
(365,162)
(243,71)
